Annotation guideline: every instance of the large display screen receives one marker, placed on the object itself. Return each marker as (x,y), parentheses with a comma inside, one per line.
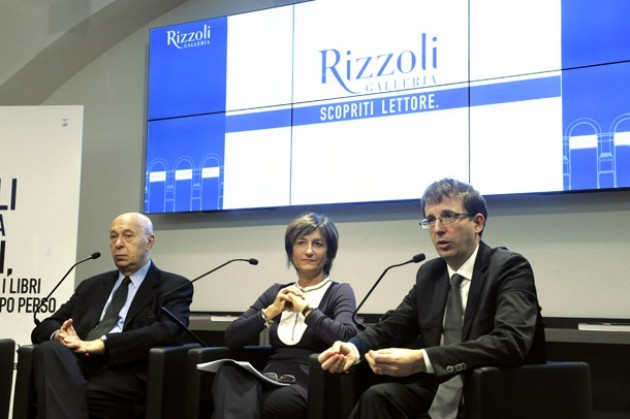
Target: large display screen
(345,101)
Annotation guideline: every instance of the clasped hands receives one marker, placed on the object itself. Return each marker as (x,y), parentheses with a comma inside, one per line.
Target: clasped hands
(288,299)
(69,338)
(396,362)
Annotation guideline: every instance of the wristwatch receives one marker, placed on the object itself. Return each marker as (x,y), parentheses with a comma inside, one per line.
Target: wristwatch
(104,339)
(268,321)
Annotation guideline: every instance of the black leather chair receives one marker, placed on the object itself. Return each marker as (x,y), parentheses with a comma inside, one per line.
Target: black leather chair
(7,359)
(546,391)
(199,403)
(166,384)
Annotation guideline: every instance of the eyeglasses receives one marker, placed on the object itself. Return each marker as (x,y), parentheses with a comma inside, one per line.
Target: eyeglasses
(284,378)
(447,218)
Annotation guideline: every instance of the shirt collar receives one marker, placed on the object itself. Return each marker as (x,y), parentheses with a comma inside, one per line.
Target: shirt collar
(466,270)
(138,276)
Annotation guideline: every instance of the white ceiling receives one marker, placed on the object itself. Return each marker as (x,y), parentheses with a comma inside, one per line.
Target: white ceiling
(44,42)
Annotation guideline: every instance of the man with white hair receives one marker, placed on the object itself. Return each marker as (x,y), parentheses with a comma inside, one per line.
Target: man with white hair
(91,357)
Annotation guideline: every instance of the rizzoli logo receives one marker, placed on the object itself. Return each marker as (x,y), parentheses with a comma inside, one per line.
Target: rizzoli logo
(383,71)
(181,40)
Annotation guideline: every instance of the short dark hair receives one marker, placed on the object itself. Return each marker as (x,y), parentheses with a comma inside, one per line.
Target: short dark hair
(308,223)
(473,201)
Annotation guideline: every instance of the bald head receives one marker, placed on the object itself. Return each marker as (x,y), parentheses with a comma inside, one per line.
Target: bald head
(130,239)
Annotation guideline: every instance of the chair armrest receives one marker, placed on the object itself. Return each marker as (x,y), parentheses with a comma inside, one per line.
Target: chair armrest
(166,383)
(541,391)
(7,359)
(198,399)
(331,396)
(316,389)
(23,396)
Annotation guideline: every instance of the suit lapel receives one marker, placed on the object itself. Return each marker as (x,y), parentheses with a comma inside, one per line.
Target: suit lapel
(476,286)
(105,289)
(145,294)
(442,288)
(432,301)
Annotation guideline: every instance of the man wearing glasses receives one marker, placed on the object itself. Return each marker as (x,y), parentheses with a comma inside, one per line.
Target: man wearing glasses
(473,306)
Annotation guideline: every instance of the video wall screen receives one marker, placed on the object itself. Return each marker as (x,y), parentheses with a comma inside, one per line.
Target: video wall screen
(346,101)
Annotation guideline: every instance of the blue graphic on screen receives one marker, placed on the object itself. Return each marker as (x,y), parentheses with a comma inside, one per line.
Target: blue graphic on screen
(594,32)
(596,110)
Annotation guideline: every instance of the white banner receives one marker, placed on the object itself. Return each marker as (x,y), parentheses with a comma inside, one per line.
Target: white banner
(40,178)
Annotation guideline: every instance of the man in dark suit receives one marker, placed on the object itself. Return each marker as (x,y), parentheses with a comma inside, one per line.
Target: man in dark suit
(91,357)
(498,323)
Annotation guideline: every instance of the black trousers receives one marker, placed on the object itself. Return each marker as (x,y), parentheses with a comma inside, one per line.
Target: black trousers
(237,394)
(71,387)
(387,397)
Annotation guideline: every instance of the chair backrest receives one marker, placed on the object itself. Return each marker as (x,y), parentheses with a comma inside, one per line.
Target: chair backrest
(544,391)
(166,382)
(7,359)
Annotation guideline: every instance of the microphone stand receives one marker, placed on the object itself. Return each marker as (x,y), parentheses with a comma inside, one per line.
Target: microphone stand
(182,326)
(94,255)
(174,318)
(417,258)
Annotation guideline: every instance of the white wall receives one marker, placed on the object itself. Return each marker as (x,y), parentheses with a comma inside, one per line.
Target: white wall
(578,244)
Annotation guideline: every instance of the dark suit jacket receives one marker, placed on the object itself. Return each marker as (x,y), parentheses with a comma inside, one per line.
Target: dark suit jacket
(502,323)
(145,325)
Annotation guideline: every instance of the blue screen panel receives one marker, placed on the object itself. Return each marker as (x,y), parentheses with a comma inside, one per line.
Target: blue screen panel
(594,32)
(187,69)
(185,158)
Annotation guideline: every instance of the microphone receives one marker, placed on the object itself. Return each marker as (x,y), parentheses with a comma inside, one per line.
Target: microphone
(415,259)
(94,255)
(174,318)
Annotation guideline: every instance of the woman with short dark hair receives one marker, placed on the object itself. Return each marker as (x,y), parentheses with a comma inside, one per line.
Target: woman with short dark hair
(303,317)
